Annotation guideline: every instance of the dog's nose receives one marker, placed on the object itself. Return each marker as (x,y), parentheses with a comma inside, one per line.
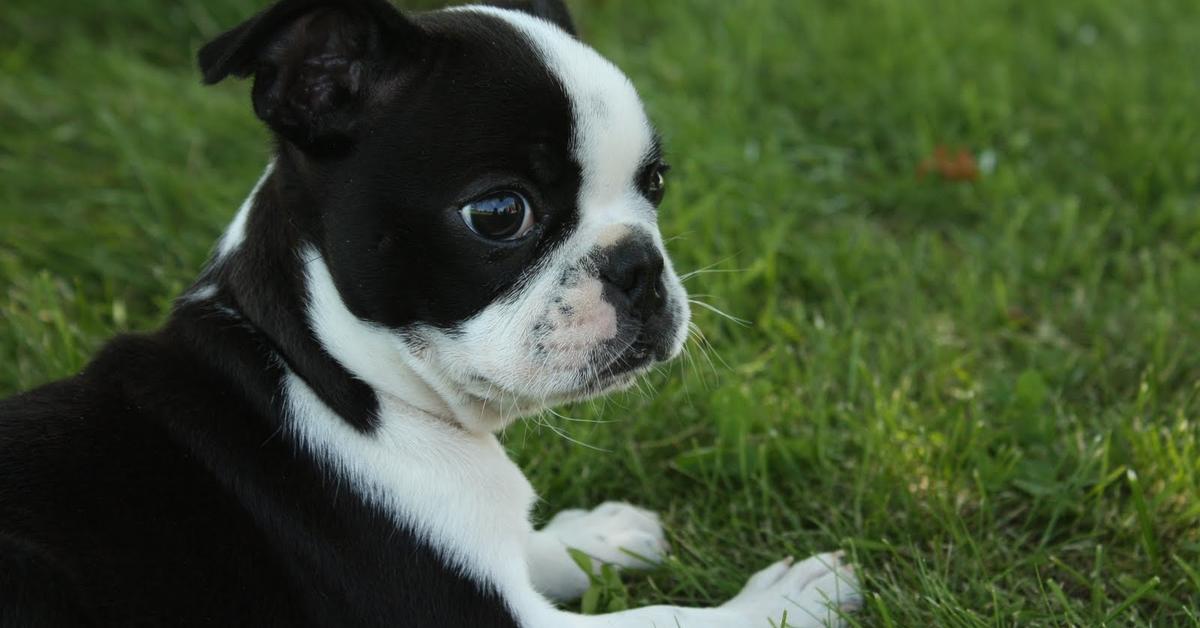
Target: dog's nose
(634,266)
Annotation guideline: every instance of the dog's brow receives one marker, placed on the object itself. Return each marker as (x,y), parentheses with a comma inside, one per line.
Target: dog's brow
(656,147)
(655,153)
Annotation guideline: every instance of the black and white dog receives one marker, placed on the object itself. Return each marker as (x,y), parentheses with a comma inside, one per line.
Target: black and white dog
(458,229)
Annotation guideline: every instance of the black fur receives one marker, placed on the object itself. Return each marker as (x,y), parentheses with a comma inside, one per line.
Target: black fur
(158,486)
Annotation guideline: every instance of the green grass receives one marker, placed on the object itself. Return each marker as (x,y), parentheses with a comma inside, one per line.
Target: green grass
(987,392)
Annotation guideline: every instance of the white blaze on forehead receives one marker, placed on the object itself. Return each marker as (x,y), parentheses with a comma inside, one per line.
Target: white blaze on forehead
(612,133)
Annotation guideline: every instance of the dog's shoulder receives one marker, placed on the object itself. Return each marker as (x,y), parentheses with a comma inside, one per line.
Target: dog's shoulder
(62,424)
(75,425)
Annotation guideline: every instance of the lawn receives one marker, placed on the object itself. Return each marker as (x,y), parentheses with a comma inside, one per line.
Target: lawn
(987,391)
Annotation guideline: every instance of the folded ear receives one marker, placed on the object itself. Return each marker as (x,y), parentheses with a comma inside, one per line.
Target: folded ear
(314,63)
(553,11)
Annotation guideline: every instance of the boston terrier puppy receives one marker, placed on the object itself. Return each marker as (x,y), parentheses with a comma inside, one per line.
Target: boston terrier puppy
(458,229)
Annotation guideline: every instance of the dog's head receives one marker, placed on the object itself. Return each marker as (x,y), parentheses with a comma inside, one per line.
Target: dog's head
(484,192)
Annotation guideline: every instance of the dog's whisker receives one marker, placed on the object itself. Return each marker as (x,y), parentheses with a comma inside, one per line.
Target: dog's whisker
(576,420)
(699,341)
(718,311)
(708,350)
(710,271)
(679,236)
(690,360)
(565,436)
(705,269)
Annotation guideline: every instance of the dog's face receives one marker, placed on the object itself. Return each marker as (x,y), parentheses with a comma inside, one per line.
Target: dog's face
(487,190)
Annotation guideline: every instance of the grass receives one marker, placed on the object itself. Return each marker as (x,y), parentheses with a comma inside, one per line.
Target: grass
(987,392)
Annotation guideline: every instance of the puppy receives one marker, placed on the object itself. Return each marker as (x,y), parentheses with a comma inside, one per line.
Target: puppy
(458,229)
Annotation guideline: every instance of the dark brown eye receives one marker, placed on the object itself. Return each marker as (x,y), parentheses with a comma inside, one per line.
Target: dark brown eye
(655,184)
(501,216)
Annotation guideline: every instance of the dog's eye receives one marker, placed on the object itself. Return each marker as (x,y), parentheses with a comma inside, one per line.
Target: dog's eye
(655,182)
(501,216)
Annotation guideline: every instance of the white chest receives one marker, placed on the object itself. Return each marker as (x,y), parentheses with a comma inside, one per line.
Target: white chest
(458,490)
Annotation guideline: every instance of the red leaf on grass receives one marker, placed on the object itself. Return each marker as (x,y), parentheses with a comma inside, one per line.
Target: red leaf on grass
(956,166)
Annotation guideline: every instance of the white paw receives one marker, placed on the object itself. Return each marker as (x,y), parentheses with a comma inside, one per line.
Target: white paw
(613,533)
(811,592)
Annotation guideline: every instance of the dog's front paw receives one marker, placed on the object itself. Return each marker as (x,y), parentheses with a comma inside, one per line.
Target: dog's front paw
(613,533)
(811,593)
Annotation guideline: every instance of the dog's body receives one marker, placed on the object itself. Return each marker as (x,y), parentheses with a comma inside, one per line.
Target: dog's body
(458,229)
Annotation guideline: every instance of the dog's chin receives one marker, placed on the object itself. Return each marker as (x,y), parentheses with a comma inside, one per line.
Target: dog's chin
(590,389)
(597,385)
(589,380)
(622,372)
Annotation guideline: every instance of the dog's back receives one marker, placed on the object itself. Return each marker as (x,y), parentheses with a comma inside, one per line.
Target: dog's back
(106,517)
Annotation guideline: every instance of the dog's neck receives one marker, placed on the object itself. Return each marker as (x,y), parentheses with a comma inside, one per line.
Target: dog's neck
(260,289)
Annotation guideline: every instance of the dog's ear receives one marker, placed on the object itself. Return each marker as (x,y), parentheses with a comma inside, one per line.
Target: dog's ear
(314,63)
(553,11)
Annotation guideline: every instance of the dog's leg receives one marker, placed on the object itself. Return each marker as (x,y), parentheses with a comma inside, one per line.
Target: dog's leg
(611,534)
(811,594)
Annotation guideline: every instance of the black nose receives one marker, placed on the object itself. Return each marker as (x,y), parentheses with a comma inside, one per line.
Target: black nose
(635,267)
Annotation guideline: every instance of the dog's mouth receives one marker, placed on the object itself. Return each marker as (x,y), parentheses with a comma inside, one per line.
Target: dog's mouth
(624,360)
(638,355)
(603,385)
(613,365)
(617,372)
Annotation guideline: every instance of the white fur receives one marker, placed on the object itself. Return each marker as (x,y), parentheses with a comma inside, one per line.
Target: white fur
(202,292)
(457,489)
